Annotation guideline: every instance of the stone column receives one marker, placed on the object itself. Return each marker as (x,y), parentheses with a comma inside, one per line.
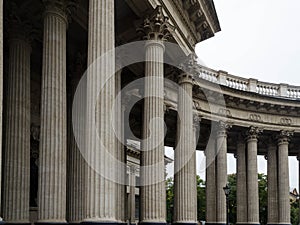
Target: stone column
(272,183)
(53,149)
(252,176)
(17,137)
(210,189)
(1,96)
(131,198)
(298,158)
(76,162)
(241,183)
(283,178)
(221,175)
(185,199)
(120,153)
(101,142)
(153,192)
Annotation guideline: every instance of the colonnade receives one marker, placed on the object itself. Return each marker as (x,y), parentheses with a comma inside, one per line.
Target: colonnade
(100,200)
(247,178)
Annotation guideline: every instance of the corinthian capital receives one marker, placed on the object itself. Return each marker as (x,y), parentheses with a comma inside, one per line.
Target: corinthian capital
(253,133)
(18,23)
(62,8)
(156,26)
(222,128)
(188,68)
(285,136)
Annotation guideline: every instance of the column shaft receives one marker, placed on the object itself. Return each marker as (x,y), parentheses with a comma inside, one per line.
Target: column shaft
(283,182)
(185,208)
(241,183)
(76,162)
(252,180)
(53,152)
(17,138)
(120,153)
(131,198)
(272,185)
(210,153)
(153,193)
(221,175)
(1,96)
(100,183)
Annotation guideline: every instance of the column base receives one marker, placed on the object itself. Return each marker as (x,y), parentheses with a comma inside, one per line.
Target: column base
(100,223)
(151,223)
(50,223)
(278,224)
(8,223)
(180,223)
(208,223)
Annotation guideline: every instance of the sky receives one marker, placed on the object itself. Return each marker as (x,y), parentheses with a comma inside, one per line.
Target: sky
(259,39)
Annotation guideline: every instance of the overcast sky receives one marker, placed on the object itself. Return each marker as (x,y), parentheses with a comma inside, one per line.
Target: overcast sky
(259,39)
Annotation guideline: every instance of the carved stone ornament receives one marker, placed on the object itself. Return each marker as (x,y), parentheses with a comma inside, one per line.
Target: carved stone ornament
(255,118)
(156,26)
(62,8)
(285,136)
(222,128)
(189,69)
(285,121)
(196,105)
(224,112)
(253,133)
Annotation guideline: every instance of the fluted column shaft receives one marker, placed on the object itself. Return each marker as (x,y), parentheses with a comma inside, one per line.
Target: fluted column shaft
(53,152)
(132,184)
(221,176)
(283,181)
(241,183)
(1,96)
(153,200)
(101,187)
(252,180)
(185,208)
(76,162)
(210,190)
(272,184)
(120,153)
(17,138)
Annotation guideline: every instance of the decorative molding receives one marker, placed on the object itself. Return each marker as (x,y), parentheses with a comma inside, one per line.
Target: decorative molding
(255,118)
(285,121)
(224,112)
